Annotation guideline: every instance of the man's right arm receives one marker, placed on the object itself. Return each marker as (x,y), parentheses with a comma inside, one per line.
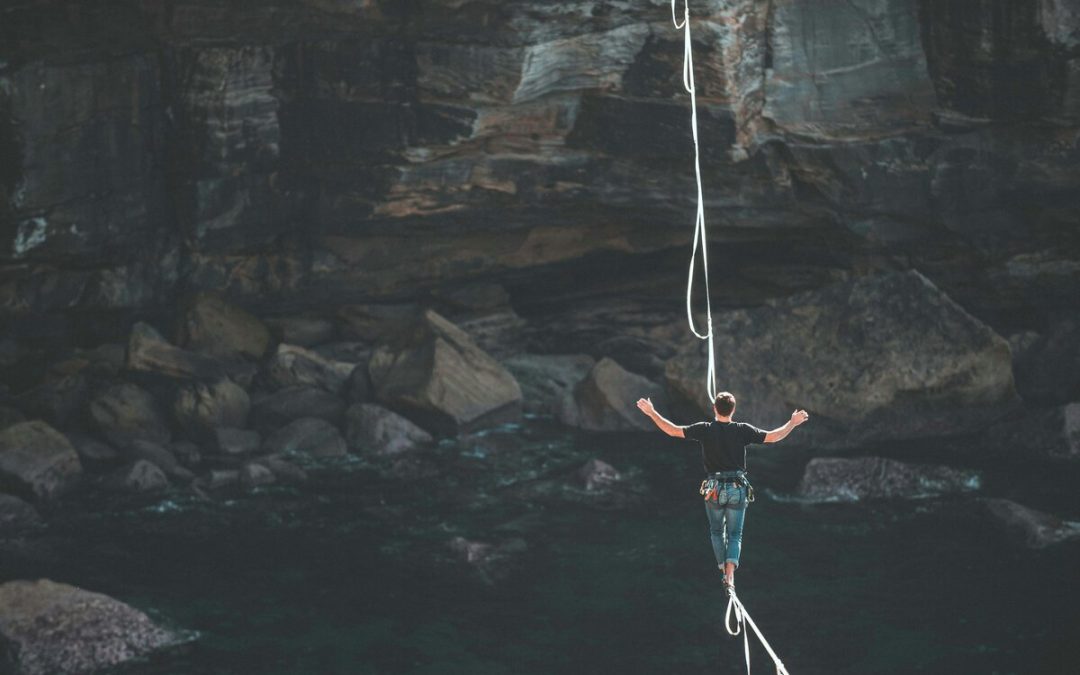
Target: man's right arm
(665,425)
(779,434)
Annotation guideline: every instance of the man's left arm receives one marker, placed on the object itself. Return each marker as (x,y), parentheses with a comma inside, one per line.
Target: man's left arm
(780,433)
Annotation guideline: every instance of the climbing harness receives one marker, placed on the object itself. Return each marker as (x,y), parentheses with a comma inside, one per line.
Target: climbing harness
(709,487)
(742,621)
(700,238)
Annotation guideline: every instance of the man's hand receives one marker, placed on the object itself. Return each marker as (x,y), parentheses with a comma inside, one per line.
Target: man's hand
(798,417)
(646,406)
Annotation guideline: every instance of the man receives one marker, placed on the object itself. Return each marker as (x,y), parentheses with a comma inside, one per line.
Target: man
(726,489)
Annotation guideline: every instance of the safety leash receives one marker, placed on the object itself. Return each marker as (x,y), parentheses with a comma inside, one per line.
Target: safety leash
(742,620)
(700,238)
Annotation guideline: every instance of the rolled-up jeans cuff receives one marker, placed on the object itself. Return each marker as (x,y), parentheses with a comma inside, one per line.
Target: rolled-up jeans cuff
(733,562)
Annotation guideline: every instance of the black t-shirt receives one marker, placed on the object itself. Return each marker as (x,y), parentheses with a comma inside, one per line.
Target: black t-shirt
(723,444)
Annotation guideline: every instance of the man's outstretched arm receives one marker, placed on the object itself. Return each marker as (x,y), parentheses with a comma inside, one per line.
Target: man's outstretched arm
(780,433)
(669,428)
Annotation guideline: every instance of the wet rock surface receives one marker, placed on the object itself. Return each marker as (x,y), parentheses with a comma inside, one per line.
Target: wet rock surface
(374,429)
(53,628)
(835,479)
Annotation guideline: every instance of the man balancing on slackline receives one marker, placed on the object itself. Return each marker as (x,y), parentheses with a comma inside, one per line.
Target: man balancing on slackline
(725,488)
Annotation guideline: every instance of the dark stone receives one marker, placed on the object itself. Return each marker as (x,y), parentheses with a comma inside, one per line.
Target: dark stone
(160,457)
(307,436)
(1026,526)
(295,366)
(127,412)
(213,326)
(256,475)
(93,453)
(275,410)
(149,352)
(50,628)
(598,475)
(59,399)
(187,453)
(377,323)
(833,479)
(376,430)
(435,374)
(492,563)
(16,515)
(10,417)
(37,462)
(1049,433)
(218,479)
(200,408)
(546,379)
(235,442)
(141,476)
(1047,366)
(284,470)
(302,330)
(606,400)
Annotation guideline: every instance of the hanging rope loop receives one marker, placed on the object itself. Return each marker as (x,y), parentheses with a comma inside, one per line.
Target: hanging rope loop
(742,621)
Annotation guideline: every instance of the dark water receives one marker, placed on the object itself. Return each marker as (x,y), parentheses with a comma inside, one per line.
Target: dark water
(351,574)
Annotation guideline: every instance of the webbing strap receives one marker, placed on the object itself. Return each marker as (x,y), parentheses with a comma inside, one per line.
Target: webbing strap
(700,238)
(742,620)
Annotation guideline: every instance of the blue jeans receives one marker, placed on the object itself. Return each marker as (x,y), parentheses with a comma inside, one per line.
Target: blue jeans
(726,516)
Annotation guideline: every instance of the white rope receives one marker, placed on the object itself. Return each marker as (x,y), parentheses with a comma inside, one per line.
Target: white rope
(700,238)
(742,619)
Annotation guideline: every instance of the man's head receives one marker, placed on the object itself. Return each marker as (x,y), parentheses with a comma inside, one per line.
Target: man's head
(724,404)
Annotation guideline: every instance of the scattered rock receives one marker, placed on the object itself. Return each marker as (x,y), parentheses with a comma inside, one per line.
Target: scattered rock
(598,475)
(127,412)
(149,352)
(187,453)
(546,380)
(491,562)
(255,475)
(211,325)
(93,453)
(201,408)
(284,471)
(1028,527)
(37,461)
(16,516)
(141,476)
(377,323)
(218,479)
(606,400)
(374,429)
(48,628)
(307,436)
(296,366)
(275,410)
(236,442)
(834,479)
(302,330)
(160,457)
(884,357)
(436,375)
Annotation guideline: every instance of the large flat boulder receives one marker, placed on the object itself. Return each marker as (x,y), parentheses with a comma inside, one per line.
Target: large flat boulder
(149,352)
(37,461)
(212,325)
(436,375)
(546,379)
(849,480)
(878,358)
(49,628)
(606,400)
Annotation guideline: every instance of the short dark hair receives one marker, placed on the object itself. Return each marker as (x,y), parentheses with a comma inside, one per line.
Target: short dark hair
(724,404)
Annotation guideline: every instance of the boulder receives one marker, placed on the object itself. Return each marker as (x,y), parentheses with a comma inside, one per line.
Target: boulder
(160,457)
(1052,433)
(849,480)
(374,429)
(606,400)
(491,562)
(127,412)
(306,436)
(546,379)
(377,323)
(218,479)
(187,453)
(16,516)
(140,476)
(275,410)
(1047,365)
(878,358)
(93,453)
(284,470)
(598,475)
(255,475)
(37,461)
(49,628)
(302,330)
(1027,527)
(236,442)
(437,376)
(149,352)
(59,399)
(295,366)
(200,408)
(211,325)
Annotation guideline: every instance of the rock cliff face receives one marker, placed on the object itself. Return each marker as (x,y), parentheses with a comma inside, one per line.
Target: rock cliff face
(285,152)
